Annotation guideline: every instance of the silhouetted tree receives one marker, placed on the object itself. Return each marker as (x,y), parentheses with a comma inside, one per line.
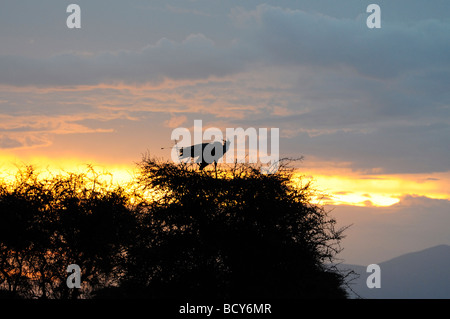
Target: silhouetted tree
(46,224)
(238,234)
(184,233)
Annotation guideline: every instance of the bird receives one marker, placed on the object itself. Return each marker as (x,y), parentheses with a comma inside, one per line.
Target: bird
(210,153)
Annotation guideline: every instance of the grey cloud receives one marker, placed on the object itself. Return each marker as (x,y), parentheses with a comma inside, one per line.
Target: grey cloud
(7,142)
(395,149)
(299,37)
(22,141)
(380,233)
(195,57)
(378,98)
(269,35)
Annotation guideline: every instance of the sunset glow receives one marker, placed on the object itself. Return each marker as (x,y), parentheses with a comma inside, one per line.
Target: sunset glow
(377,190)
(345,188)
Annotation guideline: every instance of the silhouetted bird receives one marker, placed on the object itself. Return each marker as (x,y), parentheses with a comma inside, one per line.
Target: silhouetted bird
(210,152)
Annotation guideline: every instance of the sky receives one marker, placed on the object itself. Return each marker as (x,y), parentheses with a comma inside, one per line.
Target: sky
(368,109)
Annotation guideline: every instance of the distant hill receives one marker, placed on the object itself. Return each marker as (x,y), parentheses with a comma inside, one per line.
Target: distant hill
(419,275)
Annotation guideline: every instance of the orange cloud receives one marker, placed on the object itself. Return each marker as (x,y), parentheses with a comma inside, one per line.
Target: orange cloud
(175,121)
(342,186)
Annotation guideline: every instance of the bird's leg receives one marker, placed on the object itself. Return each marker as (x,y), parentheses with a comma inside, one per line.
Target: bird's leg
(215,168)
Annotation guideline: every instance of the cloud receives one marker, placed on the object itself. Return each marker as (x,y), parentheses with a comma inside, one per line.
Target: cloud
(337,90)
(395,149)
(17,141)
(7,142)
(267,34)
(342,193)
(380,233)
(296,37)
(37,130)
(175,121)
(195,57)
(180,10)
(421,202)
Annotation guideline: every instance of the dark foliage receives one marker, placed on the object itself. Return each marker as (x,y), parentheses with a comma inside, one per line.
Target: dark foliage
(226,233)
(236,234)
(48,224)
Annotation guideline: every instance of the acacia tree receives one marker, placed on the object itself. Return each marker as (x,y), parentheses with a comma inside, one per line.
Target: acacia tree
(231,233)
(25,235)
(46,224)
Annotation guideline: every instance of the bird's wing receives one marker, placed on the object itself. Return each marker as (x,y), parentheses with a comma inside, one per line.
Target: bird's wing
(192,151)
